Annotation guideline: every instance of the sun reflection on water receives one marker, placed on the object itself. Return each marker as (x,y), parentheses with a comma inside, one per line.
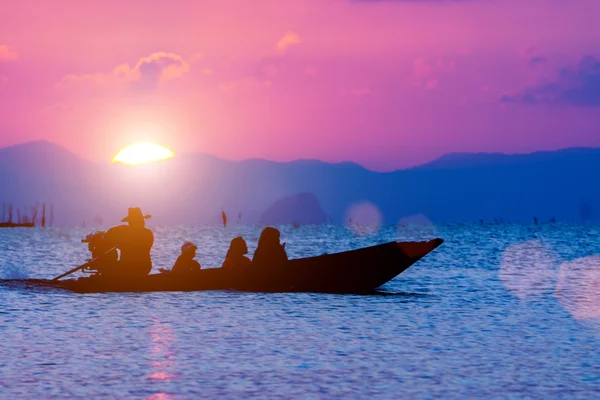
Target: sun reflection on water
(162,356)
(160,396)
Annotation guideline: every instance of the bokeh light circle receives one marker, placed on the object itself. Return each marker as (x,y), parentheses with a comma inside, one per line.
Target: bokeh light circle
(364,218)
(528,269)
(416,227)
(578,287)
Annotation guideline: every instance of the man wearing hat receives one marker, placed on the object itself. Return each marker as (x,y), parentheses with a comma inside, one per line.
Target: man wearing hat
(134,241)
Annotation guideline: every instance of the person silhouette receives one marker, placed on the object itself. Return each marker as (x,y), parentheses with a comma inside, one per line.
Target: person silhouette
(134,241)
(235,258)
(270,253)
(185,263)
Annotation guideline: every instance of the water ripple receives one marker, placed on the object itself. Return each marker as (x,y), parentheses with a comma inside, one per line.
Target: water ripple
(499,311)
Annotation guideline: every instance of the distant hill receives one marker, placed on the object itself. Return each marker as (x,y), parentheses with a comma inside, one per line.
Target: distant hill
(471,160)
(303,208)
(194,188)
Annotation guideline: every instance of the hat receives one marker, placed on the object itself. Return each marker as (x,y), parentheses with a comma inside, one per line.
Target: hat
(188,246)
(134,213)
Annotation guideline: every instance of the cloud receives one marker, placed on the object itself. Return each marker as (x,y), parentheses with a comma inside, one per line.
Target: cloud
(147,74)
(56,107)
(266,71)
(409,1)
(359,92)
(6,54)
(310,71)
(534,56)
(427,74)
(159,68)
(245,85)
(537,60)
(289,39)
(577,85)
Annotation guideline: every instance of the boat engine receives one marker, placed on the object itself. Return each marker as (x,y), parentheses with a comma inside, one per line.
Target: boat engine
(98,247)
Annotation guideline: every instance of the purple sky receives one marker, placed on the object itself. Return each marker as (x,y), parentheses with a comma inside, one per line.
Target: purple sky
(387,84)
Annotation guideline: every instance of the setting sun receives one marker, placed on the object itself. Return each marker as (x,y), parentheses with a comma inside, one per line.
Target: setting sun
(141,153)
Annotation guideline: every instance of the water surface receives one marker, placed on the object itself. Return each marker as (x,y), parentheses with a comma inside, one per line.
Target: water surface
(498,311)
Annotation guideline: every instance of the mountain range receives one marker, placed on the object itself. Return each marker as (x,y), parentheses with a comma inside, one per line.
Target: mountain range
(194,188)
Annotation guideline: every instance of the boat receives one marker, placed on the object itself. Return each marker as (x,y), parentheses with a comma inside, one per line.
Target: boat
(17,225)
(356,271)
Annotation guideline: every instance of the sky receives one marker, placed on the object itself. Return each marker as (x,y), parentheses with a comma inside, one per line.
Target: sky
(384,83)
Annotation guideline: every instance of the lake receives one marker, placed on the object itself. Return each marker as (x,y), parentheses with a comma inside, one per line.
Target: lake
(497,311)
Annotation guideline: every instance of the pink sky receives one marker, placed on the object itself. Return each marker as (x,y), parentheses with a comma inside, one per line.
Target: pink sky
(387,84)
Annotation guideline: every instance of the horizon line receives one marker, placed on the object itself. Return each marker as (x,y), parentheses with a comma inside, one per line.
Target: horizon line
(353,163)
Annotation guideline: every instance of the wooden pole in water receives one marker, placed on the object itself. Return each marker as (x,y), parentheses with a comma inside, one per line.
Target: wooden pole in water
(44,215)
(34,211)
(18,215)
(51,214)
(10,209)
(3,212)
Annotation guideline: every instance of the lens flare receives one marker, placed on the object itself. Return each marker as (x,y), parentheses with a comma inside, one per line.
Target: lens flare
(416,227)
(528,269)
(364,218)
(141,153)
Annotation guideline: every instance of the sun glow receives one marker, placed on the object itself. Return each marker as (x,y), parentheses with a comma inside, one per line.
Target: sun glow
(141,153)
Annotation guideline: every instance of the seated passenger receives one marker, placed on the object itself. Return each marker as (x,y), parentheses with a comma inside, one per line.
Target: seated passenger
(185,263)
(235,255)
(269,253)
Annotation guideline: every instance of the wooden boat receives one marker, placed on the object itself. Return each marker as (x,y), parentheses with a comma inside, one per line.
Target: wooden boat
(356,271)
(17,225)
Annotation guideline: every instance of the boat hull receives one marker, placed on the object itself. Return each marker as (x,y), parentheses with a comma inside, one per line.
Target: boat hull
(355,271)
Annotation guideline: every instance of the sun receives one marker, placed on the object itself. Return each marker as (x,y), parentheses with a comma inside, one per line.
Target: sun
(141,153)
